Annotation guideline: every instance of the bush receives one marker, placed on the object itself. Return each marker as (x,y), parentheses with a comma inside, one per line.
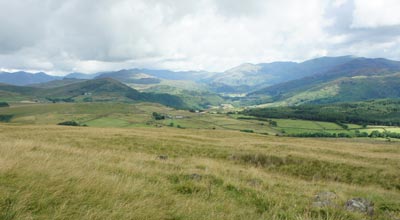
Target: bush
(4,104)
(361,134)
(6,118)
(69,123)
(88,99)
(273,123)
(247,131)
(344,135)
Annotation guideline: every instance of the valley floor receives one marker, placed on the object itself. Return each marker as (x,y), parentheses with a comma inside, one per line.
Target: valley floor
(57,172)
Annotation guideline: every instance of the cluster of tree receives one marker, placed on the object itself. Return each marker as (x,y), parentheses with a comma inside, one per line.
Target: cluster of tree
(374,134)
(158,116)
(385,134)
(321,134)
(55,100)
(4,104)
(377,112)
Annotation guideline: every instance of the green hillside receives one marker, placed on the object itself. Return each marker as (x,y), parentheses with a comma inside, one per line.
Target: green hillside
(357,80)
(97,90)
(380,112)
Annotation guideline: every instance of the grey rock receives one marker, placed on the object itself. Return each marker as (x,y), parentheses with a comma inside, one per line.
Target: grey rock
(360,205)
(324,199)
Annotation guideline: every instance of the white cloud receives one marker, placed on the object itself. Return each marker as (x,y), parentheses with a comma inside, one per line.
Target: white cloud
(338,3)
(375,13)
(96,35)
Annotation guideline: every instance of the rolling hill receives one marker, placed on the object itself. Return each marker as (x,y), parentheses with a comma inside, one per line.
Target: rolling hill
(88,91)
(357,80)
(185,85)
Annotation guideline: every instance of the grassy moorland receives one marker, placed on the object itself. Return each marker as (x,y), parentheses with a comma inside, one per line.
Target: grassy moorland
(127,165)
(57,172)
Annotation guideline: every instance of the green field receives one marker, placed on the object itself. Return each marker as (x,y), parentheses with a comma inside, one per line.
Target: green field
(140,115)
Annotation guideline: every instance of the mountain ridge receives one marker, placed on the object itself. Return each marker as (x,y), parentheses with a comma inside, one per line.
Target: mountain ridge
(354,75)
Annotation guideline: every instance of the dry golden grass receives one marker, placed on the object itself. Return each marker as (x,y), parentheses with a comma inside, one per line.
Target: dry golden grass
(55,172)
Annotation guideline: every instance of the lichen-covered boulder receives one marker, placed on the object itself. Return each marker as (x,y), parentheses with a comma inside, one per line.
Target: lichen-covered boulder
(360,205)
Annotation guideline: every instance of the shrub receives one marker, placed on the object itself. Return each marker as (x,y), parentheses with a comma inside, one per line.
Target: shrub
(88,99)
(4,104)
(344,135)
(247,131)
(273,123)
(69,123)
(6,118)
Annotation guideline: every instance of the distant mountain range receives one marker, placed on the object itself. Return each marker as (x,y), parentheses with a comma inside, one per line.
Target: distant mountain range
(251,77)
(82,75)
(321,80)
(24,78)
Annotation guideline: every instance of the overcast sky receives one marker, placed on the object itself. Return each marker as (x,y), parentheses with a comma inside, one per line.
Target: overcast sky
(60,36)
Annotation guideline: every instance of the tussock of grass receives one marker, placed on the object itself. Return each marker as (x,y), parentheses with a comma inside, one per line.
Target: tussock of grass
(312,169)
